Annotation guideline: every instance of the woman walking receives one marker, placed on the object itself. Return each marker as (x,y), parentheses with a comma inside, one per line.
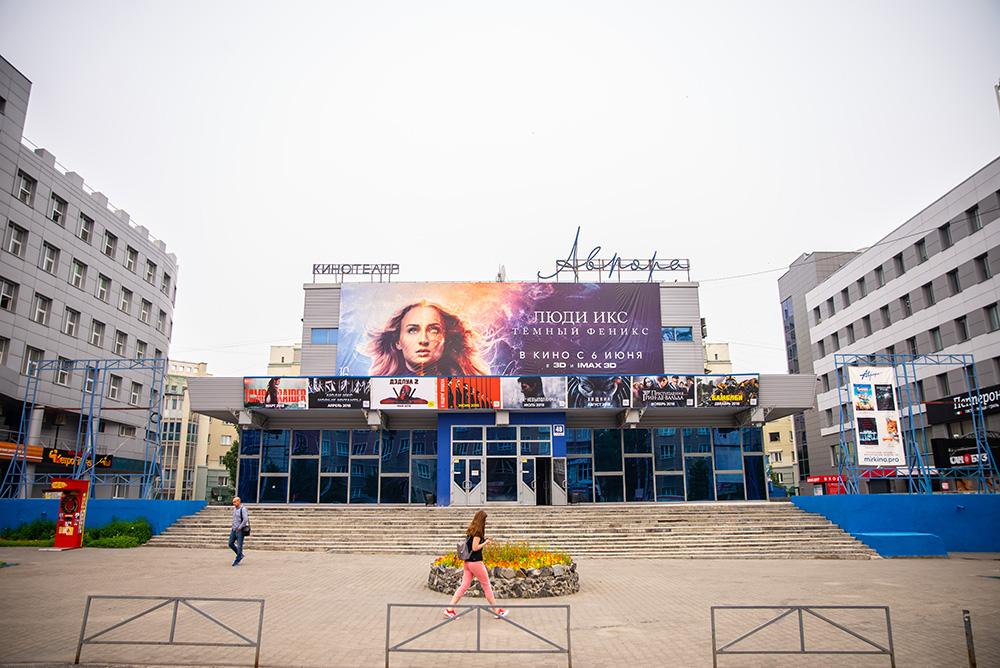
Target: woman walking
(475,537)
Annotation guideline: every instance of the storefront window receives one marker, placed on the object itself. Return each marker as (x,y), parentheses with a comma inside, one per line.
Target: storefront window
(333,489)
(394,489)
(639,479)
(728,458)
(637,441)
(275,448)
(608,449)
(501,479)
(580,478)
(753,471)
(729,486)
(274,489)
(423,479)
(726,436)
(395,451)
(501,449)
(334,449)
(424,441)
(247,487)
(578,442)
(305,442)
(466,433)
(501,433)
(697,440)
(667,449)
(364,442)
(669,488)
(364,481)
(467,449)
(700,482)
(609,488)
(536,433)
(536,448)
(304,478)
(753,440)
(250,442)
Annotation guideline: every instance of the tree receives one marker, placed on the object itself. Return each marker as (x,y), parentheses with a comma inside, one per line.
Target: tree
(229,461)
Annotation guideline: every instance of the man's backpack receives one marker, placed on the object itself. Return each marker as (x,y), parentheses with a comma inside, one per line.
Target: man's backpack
(464,549)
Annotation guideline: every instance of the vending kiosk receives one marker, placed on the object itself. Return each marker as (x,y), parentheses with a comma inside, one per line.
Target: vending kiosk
(72,511)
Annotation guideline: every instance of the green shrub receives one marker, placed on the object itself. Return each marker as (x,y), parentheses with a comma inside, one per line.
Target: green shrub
(113,541)
(42,542)
(39,529)
(138,530)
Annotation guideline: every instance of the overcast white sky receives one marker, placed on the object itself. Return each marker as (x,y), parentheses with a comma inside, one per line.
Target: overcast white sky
(452,137)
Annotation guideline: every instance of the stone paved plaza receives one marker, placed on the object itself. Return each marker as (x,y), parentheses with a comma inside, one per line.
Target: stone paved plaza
(329,609)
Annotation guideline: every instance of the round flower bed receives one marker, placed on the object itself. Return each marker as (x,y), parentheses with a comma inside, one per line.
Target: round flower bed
(517,570)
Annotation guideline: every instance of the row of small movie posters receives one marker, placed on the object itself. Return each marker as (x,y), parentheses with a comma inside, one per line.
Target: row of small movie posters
(491,393)
(877,425)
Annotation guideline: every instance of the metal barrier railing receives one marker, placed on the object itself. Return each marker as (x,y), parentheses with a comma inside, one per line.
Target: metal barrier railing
(802,610)
(556,648)
(177,601)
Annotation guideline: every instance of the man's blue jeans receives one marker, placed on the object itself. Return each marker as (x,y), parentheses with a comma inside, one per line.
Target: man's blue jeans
(236,542)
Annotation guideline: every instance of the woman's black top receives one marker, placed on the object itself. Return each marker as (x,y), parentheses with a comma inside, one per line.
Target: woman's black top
(478,554)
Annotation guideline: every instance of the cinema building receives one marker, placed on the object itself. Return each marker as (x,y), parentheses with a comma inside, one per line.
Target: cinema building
(501,393)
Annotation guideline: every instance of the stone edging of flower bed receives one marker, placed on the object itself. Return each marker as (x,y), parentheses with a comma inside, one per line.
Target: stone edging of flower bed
(542,582)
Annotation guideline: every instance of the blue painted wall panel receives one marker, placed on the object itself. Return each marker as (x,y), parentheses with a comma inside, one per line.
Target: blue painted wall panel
(100,512)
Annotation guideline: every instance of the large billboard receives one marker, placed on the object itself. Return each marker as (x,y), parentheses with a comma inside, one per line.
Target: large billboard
(877,427)
(413,393)
(499,329)
(276,392)
(468,393)
(728,390)
(958,406)
(598,391)
(534,392)
(339,392)
(662,391)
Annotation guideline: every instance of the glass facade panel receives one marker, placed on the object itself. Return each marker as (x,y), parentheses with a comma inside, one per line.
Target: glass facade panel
(608,449)
(273,489)
(667,449)
(395,489)
(275,449)
(726,436)
(423,479)
(501,433)
(639,479)
(753,472)
(729,486)
(304,478)
(753,439)
(395,452)
(364,481)
(700,482)
(305,442)
(467,449)
(424,441)
(669,488)
(697,440)
(609,488)
(536,448)
(501,479)
(250,442)
(247,487)
(501,449)
(364,442)
(728,458)
(334,451)
(466,433)
(637,441)
(578,442)
(333,489)
(580,479)
(536,433)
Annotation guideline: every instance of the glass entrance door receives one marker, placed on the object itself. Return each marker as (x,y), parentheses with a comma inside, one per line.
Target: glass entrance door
(467,481)
(501,479)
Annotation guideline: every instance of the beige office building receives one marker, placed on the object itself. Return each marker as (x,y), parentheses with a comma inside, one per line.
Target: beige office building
(285,360)
(779,446)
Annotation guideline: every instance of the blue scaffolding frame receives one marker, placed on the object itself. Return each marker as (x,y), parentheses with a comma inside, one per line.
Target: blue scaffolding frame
(917,472)
(16,483)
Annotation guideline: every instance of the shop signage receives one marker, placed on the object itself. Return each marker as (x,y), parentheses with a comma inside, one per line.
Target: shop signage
(876,417)
(956,452)
(958,406)
(615,264)
(347,269)
(499,329)
(69,458)
(822,479)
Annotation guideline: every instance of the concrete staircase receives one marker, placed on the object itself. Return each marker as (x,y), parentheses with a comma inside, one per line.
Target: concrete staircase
(681,531)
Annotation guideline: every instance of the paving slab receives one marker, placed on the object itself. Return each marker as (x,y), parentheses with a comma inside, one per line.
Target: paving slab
(325,609)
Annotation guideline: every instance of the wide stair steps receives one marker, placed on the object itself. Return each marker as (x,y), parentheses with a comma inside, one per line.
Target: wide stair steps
(702,531)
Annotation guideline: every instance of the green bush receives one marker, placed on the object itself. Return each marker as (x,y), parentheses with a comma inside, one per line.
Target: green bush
(37,530)
(113,542)
(137,531)
(42,542)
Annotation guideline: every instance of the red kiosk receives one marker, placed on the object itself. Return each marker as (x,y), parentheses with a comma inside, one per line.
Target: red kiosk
(72,511)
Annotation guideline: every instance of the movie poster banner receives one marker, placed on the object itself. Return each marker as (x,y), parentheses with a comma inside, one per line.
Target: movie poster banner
(276,392)
(468,393)
(498,329)
(876,416)
(533,392)
(728,390)
(339,392)
(598,392)
(415,393)
(662,391)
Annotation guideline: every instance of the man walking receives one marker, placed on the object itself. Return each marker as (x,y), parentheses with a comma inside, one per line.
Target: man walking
(241,527)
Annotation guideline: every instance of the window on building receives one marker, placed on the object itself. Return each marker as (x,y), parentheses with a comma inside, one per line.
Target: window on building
(140,349)
(85,230)
(830,309)
(862,288)
(666,334)
(944,387)
(773,436)
(866,325)
(992,317)
(945,233)
(150,272)
(121,342)
(103,287)
(936,343)
(32,358)
(16,239)
(954,282)
(64,371)
(897,262)
(89,380)
(835,341)
(144,308)
(57,210)
(161,321)
(822,347)
(324,336)
(983,268)
(71,322)
(226,439)
(50,258)
(921,247)
(24,188)
(165,284)
(904,303)
(886,319)
(826,382)
(829,417)
(845,297)
(776,457)
(135,394)
(921,397)
(125,300)
(126,430)
(131,257)
(114,386)
(157,353)
(8,295)
(962,328)
(975,222)
(850,334)
(928,289)
(817,315)
(77,274)
(911,345)
(880,277)
(96,333)
(40,309)
(110,244)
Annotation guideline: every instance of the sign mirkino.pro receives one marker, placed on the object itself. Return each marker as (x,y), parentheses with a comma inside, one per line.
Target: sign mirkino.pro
(877,427)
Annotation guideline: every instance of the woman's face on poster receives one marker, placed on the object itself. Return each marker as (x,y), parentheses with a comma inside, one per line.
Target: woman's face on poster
(421,337)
